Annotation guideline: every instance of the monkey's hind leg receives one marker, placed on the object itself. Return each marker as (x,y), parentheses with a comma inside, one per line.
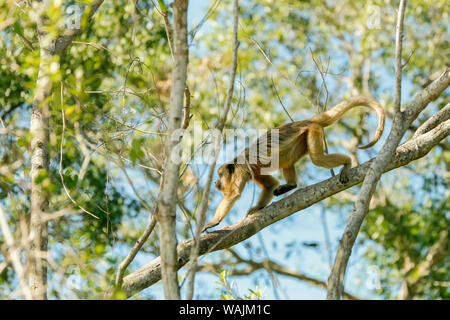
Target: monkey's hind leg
(291,181)
(319,158)
(268,185)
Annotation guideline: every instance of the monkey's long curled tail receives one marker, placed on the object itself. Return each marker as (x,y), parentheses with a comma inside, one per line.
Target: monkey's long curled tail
(330,116)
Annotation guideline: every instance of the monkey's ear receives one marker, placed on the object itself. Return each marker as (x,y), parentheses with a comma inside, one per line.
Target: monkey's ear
(230,168)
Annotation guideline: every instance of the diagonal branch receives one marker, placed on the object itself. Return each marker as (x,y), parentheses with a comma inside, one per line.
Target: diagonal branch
(134,251)
(440,116)
(361,207)
(65,40)
(266,264)
(299,200)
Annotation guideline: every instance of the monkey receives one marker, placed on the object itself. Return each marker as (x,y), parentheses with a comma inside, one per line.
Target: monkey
(295,140)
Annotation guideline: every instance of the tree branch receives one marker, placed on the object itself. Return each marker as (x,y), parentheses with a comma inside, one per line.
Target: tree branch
(336,279)
(266,264)
(167,197)
(301,199)
(201,215)
(134,251)
(401,123)
(14,256)
(65,40)
(398,56)
(441,116)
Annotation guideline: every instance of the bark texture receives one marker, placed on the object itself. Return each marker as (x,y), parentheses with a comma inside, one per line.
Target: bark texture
(402,122)
(40,159)
(167,198)
(39,130)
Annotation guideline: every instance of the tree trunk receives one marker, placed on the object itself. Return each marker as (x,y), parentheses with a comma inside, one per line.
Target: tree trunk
(167,198)
(39,130)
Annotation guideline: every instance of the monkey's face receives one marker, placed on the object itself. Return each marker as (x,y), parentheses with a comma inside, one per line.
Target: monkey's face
(225,175)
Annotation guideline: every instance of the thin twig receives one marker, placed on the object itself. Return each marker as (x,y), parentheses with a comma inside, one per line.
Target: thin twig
(26,41)
(398,57)
(167,26)
(87,156)
(279,99)
(187,109)
(377,167)
(210,11)
(14,255)
(328,248)
(60,161)
(293,84)
(95,45)
(273,278)
(134,128)
(229,236)
(324,108)
(133,252)
(274,266)
(201,216)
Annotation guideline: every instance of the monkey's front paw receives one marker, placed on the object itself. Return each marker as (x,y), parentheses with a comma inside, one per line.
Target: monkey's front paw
(253,210)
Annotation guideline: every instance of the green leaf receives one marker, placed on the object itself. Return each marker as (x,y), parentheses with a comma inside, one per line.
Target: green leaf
(18,28)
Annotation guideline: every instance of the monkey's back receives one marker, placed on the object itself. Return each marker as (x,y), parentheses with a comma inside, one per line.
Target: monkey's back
(284,144)
(292,142)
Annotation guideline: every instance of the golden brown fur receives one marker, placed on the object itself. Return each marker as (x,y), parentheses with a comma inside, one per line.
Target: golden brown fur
(294,141)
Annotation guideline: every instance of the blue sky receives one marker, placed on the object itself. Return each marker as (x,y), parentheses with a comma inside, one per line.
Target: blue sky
(304,226)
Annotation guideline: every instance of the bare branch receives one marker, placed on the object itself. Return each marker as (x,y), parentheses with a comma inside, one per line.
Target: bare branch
(336,279)
(293,84)
(167,197)
(299,200)
(398,56)
(402,122)
(201,216)
(64,41)
(14,255)
(279,99)
(441,116)
(60,171)
(323,85)
(133,252)
(187,109)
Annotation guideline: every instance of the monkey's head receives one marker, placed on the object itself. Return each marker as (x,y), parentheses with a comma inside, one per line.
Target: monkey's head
(225,176)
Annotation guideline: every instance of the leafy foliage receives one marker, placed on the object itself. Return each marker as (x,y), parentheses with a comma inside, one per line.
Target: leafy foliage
(112,87)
